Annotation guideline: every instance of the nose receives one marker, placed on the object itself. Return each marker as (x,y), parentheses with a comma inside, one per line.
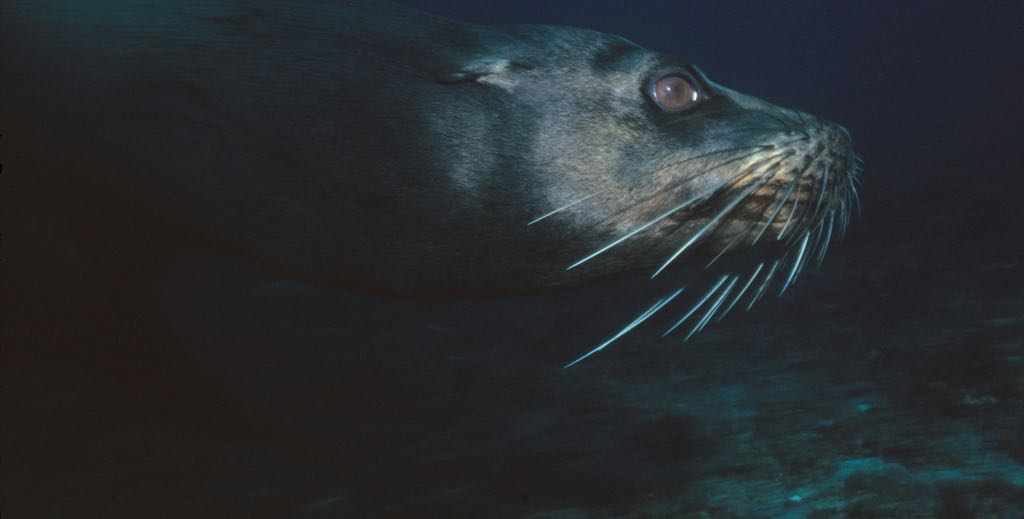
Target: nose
(838,145)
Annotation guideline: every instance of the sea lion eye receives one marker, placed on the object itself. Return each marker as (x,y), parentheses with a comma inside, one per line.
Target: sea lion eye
(674,93)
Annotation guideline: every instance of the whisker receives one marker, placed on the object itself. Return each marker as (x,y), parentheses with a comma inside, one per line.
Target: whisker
(818,233)
(749,228)
(824,188)
(742,291)
(701,196)
(804,236)
(717,218)
(828,236)
(796,199)
(566,206)
(642,200)
(644,227)
(804,257)
(775,214)
(710,224)
(725,249)
(826,230)
(789,219)
(636,322)
(844,212)
(765,283)
(796,264)
(758,147)
(711,311)
(856,196)
(697,305)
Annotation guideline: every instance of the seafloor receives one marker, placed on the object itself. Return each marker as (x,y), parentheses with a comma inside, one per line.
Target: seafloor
(889,383)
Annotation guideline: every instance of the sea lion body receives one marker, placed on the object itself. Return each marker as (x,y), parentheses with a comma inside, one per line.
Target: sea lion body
(367,145)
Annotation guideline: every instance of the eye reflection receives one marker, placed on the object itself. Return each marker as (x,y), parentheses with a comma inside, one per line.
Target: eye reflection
(674,93)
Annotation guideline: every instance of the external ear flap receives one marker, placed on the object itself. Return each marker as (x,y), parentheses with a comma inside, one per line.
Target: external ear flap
(499,72)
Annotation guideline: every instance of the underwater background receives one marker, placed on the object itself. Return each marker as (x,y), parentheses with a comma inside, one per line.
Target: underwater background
(887,383)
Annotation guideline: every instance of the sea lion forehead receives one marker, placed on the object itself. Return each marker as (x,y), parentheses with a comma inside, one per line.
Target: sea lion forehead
(634,67)
(553,45)
(626,69)
(617,53)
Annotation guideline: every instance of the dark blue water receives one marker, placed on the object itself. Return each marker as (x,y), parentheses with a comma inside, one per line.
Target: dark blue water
(888,383)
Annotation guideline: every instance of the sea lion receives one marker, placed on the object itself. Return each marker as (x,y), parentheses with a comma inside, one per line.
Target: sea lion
(368,145)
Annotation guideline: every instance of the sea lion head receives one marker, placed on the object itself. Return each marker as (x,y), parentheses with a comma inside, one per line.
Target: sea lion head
(640,161)
(643,162)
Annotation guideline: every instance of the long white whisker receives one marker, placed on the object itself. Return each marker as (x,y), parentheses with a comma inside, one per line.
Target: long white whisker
(821,193)
(796,264)
(636,322)
(804,257)
(564,207)
(775,213)
(643,227)
(844,217)
(856,195)
(693,200)
(773,169)
(711,311)
(711,223)
(796,200)
(764,284)
(792,212)
(696,305)
(828,236)
(742,291)
(758,147)
(816,242)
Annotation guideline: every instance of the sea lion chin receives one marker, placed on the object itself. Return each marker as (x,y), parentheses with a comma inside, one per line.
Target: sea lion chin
(368,145)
